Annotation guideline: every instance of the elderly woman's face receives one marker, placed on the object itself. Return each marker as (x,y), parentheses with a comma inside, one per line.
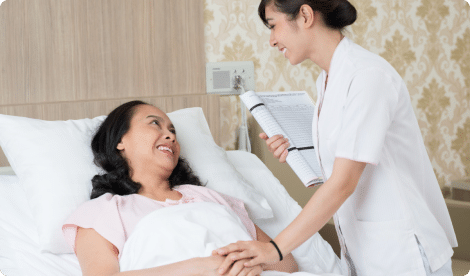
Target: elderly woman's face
(151,141)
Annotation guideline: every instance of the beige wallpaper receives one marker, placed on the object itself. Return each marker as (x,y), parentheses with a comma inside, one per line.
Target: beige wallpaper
(427,41)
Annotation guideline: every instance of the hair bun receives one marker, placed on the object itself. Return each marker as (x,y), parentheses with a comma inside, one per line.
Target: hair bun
(343,14)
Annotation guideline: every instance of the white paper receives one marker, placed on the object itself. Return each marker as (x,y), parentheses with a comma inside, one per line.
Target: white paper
(289,114)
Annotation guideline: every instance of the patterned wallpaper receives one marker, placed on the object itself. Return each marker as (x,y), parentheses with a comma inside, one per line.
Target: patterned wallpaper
(427,41)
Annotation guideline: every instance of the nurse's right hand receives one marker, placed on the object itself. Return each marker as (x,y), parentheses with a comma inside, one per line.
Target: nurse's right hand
(277,144)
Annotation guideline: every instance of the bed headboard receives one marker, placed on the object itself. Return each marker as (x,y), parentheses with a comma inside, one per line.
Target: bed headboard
(73,59)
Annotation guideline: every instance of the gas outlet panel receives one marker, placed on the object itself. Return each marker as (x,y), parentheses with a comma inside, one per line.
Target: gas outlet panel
(221,77)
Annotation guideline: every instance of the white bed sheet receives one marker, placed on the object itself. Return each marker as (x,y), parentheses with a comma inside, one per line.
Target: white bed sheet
(19,246)
(189,227)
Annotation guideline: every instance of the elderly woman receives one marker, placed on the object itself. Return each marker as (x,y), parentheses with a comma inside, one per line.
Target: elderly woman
(137,148)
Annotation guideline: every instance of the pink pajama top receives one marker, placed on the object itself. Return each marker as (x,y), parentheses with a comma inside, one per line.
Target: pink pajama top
(114,217)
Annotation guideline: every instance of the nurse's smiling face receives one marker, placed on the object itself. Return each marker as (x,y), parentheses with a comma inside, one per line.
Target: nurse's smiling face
(287,35)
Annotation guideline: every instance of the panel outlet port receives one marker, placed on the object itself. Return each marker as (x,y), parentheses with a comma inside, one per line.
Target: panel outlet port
(221,77)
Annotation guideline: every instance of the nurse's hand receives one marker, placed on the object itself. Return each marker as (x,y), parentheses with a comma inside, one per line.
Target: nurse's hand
(259,252)
(278,145)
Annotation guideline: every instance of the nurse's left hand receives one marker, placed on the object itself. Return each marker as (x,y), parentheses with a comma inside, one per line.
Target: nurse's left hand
(259,252)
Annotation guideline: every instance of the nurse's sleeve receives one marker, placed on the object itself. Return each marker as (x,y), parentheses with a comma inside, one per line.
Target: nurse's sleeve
(367,114)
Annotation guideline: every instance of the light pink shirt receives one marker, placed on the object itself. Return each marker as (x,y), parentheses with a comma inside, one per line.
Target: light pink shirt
(114,217)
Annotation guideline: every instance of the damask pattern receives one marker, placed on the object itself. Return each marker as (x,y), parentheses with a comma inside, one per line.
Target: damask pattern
(427,41)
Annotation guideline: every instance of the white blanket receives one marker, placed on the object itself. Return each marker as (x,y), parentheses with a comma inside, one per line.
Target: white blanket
(181,232)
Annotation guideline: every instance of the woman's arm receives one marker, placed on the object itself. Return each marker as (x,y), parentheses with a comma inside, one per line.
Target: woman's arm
(288,264)
(97,256)
(319,209)
(323,204)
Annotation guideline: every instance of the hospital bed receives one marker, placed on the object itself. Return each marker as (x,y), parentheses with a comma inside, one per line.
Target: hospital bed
(35,202)
(66,64)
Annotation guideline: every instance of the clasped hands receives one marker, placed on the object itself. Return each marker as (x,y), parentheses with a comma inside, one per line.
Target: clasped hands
(246,258)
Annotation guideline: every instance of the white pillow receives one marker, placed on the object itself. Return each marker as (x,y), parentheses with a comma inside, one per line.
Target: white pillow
(211,164)
(54,162)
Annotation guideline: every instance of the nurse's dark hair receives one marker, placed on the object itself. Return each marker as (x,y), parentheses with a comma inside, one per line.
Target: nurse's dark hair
(337,14)
(115,178)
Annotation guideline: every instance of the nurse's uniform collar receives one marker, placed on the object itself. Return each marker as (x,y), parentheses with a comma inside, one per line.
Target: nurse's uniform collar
(338,56)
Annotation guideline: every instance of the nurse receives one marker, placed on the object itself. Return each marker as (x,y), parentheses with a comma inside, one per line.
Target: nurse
(380,188)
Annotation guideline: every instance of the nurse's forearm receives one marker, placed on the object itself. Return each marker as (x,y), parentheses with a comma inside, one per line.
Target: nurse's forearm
(322,206)
(319,209)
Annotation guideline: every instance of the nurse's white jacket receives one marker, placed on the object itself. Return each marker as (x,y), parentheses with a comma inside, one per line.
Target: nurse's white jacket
(366,115)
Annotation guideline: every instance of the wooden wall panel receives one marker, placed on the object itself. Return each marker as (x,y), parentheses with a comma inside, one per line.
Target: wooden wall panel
(73,59)
(91,109)
(67,50)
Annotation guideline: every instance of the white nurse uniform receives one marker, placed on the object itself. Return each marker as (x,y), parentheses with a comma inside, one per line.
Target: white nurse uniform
(366,115)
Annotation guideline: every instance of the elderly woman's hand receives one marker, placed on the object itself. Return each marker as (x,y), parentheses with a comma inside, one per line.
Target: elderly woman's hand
(208,266)
(254,252)
(239,269)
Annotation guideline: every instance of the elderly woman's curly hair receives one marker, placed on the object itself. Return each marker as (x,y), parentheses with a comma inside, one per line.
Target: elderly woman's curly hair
(116,179)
